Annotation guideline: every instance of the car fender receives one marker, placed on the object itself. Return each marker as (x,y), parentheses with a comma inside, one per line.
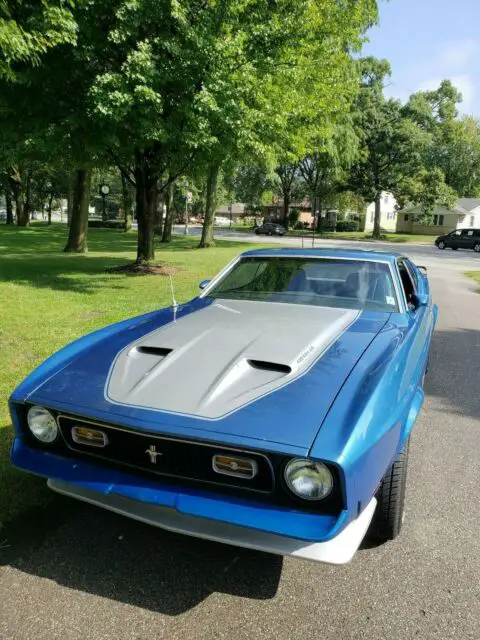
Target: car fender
(375,411)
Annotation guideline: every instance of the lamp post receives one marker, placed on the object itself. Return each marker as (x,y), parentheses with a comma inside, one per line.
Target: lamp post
(104,191)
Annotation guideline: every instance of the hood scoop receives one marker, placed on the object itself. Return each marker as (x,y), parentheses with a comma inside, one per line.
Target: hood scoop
(160,352)
(270,366)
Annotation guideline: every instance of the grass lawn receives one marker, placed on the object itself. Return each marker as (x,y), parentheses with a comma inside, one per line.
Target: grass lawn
(48,298)
(350,235)
(475,275)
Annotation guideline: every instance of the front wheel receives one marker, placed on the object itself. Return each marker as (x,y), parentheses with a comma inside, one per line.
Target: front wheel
(454,248)
(389,515)
(441,244)
(476,247)
(257,232)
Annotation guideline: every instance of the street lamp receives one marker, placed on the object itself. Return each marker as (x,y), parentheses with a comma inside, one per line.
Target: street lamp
(104,191)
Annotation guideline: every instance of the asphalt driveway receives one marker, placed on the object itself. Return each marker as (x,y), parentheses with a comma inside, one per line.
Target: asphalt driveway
(99,576)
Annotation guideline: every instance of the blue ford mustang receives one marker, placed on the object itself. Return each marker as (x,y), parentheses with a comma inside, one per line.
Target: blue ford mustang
(273,411)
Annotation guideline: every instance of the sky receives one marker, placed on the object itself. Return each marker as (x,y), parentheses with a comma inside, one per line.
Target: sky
(427,41)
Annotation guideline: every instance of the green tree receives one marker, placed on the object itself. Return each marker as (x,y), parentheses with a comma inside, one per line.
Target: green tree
(392,145)
(251,183)
(324,168)
(457,154)
(196,81)
(452,160)
(428,189)
(29,29)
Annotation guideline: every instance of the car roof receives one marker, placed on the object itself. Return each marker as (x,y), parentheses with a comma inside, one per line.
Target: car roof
(352,254)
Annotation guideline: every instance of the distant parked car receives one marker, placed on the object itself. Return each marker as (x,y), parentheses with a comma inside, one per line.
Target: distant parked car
(460,239)
(270,229)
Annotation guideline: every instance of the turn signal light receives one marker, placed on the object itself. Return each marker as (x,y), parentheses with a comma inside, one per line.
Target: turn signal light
(235,466)
(91,437)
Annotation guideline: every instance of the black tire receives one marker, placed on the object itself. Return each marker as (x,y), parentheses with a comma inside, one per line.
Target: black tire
(389,515)
(257,232)
(269,233)
(441,244)
(454,248)
(476,247)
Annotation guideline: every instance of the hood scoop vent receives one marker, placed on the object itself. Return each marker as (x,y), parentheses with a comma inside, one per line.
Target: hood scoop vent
(270,366)
(160,352)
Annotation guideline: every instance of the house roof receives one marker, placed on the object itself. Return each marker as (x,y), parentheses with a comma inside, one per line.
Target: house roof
(469,203)
(462,207)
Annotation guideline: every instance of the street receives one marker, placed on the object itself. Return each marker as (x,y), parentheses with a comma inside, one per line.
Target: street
(99,576)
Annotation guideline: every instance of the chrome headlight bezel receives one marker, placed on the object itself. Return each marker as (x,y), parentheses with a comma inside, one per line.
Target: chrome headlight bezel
(42,425)
(324,478)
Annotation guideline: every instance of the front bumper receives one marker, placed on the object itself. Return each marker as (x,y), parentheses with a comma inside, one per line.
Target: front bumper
(338,550)
(222,518)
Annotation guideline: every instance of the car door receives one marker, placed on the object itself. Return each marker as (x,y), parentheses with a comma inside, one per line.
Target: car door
(465,240)
(420,323)
(453,239)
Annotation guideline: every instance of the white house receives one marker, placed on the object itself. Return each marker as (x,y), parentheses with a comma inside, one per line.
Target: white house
(464,215)
(388,213)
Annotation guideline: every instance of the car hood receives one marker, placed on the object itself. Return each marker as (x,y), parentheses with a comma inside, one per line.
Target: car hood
(242,369)
(214,362)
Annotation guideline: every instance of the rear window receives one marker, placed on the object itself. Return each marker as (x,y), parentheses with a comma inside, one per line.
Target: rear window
(329,282)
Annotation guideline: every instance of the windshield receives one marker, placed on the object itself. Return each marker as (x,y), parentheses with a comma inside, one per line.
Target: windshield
(327,282)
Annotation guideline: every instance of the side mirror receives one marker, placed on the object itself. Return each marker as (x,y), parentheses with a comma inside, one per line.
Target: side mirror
(419,300)
(203,284)
(420,266)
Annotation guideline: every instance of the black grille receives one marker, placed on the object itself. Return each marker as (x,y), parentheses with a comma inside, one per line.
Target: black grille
(167,457)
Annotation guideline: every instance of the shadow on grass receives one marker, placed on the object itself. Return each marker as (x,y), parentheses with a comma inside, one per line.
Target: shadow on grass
(34,256)
(70,273)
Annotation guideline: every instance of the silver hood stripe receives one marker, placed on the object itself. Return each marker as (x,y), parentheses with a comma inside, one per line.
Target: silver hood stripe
(223,357)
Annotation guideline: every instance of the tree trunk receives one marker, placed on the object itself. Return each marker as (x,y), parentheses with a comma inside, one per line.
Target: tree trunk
(210,206)
(70,197)
(146,199)
(378,212)
(286,207)
(77,236)
(28,209)
(127,203)
(168,223)
(158,221)
(8,202)
(22,217)
(16,186)
(49,211)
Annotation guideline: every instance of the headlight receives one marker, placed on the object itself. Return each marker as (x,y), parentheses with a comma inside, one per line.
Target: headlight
(42,424)
(308,479)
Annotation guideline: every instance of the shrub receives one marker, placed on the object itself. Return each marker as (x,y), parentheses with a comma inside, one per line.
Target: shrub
(348,225)
(107,224)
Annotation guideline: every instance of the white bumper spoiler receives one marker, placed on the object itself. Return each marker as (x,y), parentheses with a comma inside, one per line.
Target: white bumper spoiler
(338,550)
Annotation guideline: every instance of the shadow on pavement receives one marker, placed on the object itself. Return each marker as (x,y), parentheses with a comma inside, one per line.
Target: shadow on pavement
(111,556)
(453,373)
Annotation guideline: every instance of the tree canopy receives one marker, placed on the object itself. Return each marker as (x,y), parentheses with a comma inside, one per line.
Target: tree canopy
(28,29)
